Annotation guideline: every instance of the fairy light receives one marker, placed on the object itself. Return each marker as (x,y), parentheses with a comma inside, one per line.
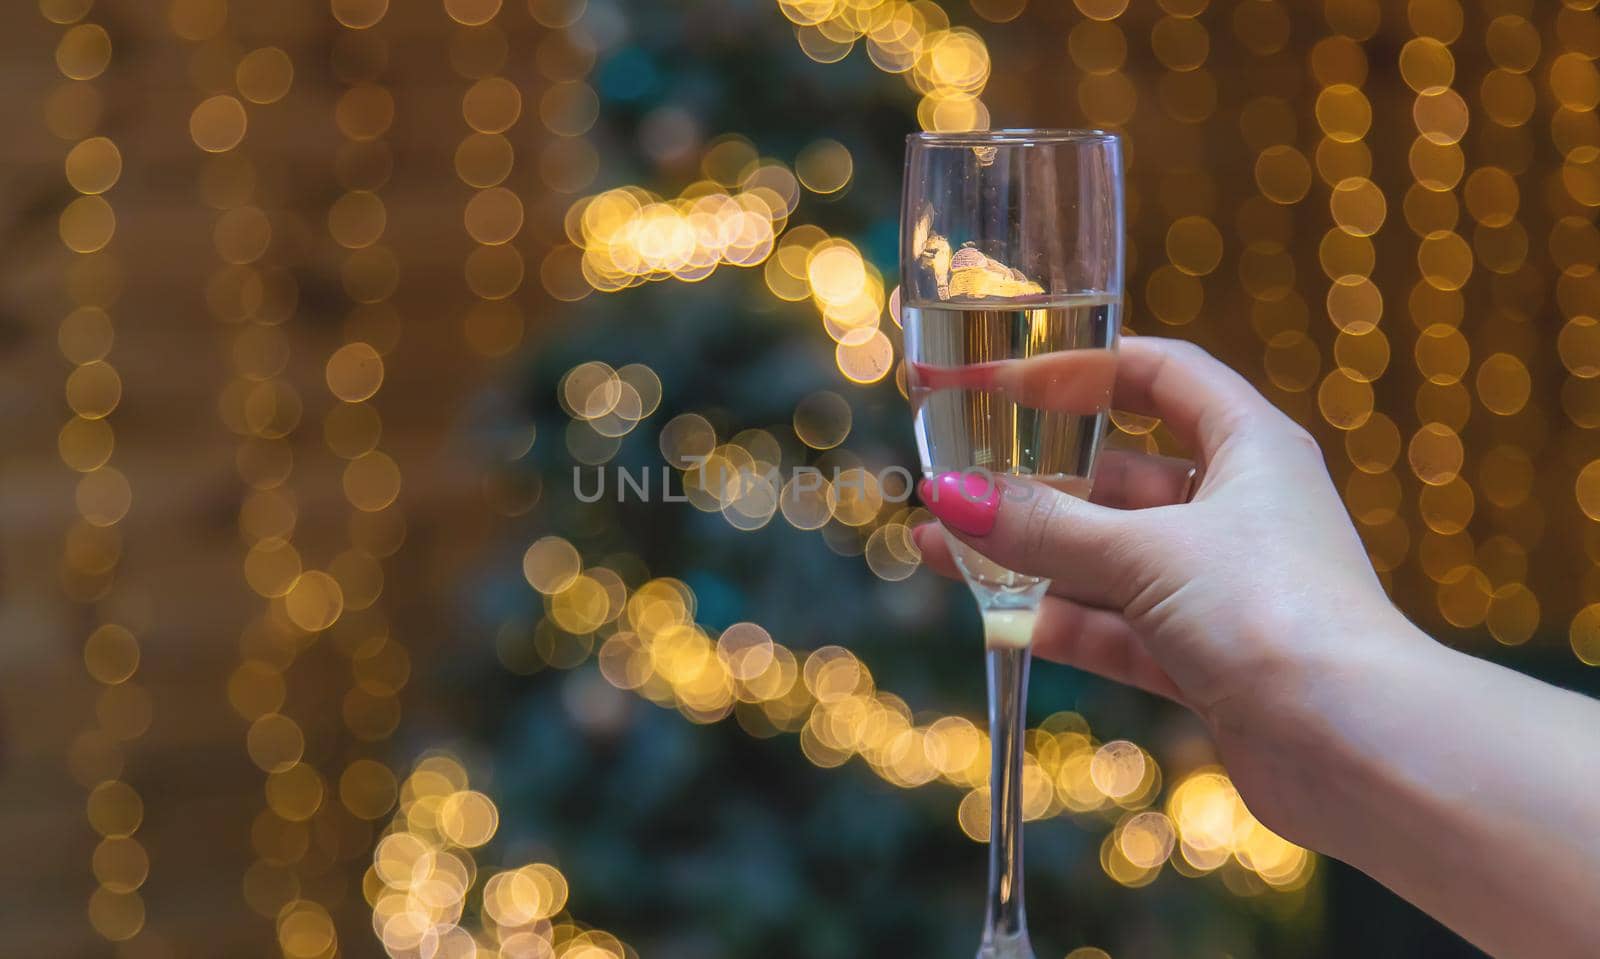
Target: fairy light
(948,66)
(1492,198)
(92,548)
(1441,353)
(1570,196)
(1098,47)
(493,108)
(565,57)
(1185,195)
(258,405)
(738,215)
(646,640)
(301,832)
(1342,397)
(631,236)
(426,883)
(1278,313)
(1107,98)
(347,599)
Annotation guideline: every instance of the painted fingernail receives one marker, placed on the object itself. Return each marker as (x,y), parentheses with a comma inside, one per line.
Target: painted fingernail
(966,502)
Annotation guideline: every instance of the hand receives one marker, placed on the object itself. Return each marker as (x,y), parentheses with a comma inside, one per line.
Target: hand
(1234,603)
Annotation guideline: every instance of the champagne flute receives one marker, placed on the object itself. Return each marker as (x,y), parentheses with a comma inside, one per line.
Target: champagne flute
(1011,256)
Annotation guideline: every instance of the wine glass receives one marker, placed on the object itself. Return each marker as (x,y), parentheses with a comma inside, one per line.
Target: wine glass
(1011,259)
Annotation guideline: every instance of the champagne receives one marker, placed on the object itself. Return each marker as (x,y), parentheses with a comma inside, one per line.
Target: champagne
(1011,261)
(990,389)
(1017,386)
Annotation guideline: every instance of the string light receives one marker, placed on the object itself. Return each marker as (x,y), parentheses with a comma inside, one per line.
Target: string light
(1435,451)
(1516,46)
(346,598)
(93,546)
(301,833)
(425,877)
(738,215)
(949,66)
(262,408)
(646,640)
(494,217)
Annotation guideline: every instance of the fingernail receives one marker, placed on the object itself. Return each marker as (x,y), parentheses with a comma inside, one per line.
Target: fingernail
(966,502)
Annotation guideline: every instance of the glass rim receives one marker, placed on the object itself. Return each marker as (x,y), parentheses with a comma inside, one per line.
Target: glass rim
(1019,136)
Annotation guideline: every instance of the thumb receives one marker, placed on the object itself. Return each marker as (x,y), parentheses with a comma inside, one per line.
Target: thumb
(1091,552)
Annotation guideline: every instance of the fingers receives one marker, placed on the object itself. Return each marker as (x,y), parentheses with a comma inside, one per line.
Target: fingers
(1128,479)
(1092,553)
(935,550)
(1095,640)
(1066,381)
(1101,642)
(1201,399)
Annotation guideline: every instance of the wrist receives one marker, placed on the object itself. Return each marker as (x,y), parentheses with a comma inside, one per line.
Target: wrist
(1312,724)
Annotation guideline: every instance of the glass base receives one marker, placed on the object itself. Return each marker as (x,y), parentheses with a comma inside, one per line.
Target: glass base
(1009,947)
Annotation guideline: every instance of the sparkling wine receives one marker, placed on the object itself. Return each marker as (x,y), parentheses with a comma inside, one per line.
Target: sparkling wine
(990,387)
(1016,386)
(1011,275)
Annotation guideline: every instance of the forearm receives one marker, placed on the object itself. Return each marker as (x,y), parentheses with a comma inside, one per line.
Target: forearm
(1468,789)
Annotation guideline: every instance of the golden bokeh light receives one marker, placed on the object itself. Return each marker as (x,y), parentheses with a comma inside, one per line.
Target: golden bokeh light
(65,11)
(264,75)
(115,810)
(85,445)
(1194,245)
(484,160)
(368,789)
(472,13)
(492,105)
(359,14)
(295,793)
(87,224)
(111,654)
(372,481)
(314,602)
(355,372)
(92,547)
(121,865)
(94,165)
(84,52)
(1584,635)
(357,219)
(364,112)
(275,742)
(116,916)
(494,216)
(824,166)
(218,124)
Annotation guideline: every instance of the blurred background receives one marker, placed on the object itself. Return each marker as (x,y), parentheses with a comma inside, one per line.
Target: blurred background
(321,321)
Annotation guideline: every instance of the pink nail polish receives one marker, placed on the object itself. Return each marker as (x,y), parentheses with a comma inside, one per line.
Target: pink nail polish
(966,502)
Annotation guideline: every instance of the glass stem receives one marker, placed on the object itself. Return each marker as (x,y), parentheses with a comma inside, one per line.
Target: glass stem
(1005,930)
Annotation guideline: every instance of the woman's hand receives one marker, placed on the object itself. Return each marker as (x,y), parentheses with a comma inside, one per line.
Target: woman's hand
(1230,602)
(1463,786)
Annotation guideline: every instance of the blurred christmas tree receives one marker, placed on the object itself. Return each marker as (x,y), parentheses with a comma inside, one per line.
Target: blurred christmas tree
(773,804)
